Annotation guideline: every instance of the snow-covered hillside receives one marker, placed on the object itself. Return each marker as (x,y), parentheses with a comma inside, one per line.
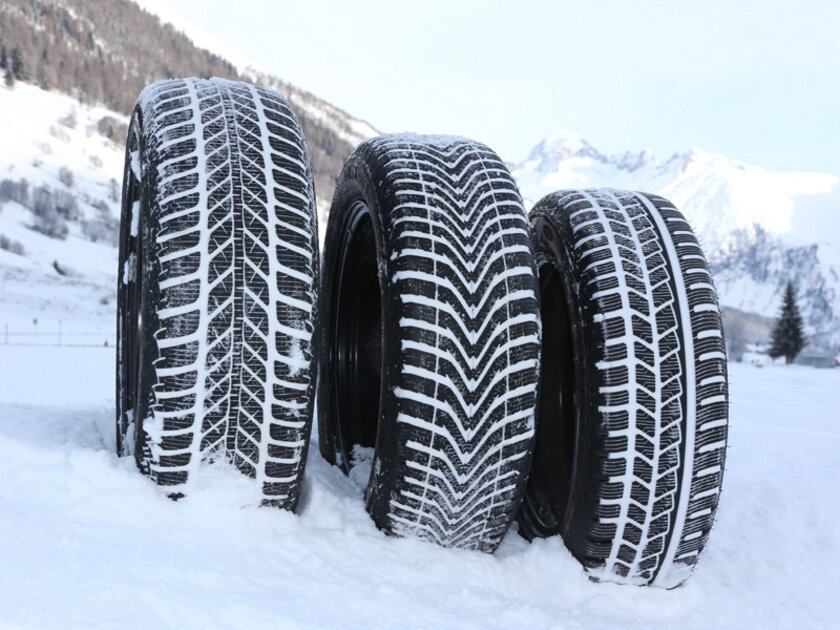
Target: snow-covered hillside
(350,129)
(48,140)
(759,229)
(86,541)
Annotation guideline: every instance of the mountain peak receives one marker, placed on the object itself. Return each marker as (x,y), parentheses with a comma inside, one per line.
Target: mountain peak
(562,146)
(631,161)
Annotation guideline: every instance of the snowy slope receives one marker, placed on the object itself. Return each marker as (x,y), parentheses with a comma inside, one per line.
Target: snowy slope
(38,139)
(43,132)
(758,228)
(88,542)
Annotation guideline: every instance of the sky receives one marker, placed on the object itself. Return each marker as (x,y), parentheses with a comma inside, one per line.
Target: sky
(756,81)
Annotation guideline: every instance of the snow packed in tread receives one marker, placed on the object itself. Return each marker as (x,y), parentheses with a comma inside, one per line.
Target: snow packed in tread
(463,268)
(235,260)
(660,380)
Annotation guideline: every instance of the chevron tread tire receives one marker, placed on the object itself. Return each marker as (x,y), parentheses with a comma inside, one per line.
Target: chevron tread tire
(218,272)
(632,426)
(431,337)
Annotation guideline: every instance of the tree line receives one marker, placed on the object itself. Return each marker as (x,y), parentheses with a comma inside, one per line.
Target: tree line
(101,52)
(54,208)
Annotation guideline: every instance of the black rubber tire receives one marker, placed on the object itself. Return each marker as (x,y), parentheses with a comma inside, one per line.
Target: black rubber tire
(431,337)
(218,274)
(632,423)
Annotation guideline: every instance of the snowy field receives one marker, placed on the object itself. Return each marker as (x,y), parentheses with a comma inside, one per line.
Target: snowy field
(87,542)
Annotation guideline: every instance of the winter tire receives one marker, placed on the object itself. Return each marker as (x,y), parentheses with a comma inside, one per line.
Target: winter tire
(632,422)
(217,286)
(430,323)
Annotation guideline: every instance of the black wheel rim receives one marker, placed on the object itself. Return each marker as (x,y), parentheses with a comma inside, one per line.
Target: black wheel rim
(355,339)
(131,311)
(549,486)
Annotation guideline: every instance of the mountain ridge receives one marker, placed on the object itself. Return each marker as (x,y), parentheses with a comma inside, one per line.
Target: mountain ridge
(759,229)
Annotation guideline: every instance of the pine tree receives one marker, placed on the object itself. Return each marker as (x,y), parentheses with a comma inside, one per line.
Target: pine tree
(18,66)
(10,78)
(788,335)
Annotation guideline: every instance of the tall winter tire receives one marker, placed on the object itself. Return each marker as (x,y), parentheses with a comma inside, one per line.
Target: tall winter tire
(430,324)
(217,288)
(631,431)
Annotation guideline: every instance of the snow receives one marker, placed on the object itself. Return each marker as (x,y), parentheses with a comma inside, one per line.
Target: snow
(439,141)
(296,360)
(93,543)
(80,257)
(35,145)
(80,305)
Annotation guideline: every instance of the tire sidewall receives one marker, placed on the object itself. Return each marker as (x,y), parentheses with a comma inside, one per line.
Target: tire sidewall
(150,295)
(552,236)
(357,183)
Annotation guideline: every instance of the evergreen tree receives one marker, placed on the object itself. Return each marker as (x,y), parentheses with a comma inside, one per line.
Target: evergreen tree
(788,335)
(10,78)
(18,66)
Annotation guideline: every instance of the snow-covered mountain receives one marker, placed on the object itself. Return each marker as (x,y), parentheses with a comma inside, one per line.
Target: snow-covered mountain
(759,229)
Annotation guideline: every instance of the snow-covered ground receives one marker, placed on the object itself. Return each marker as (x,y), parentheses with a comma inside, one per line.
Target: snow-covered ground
(87,542)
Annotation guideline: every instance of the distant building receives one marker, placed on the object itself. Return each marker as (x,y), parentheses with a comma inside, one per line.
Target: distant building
(816,359)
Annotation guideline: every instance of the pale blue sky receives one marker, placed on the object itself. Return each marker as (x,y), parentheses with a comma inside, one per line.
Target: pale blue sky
(758,81)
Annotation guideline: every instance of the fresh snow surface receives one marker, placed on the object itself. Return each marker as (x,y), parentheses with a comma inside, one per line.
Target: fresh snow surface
(34,145)
(87,542)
